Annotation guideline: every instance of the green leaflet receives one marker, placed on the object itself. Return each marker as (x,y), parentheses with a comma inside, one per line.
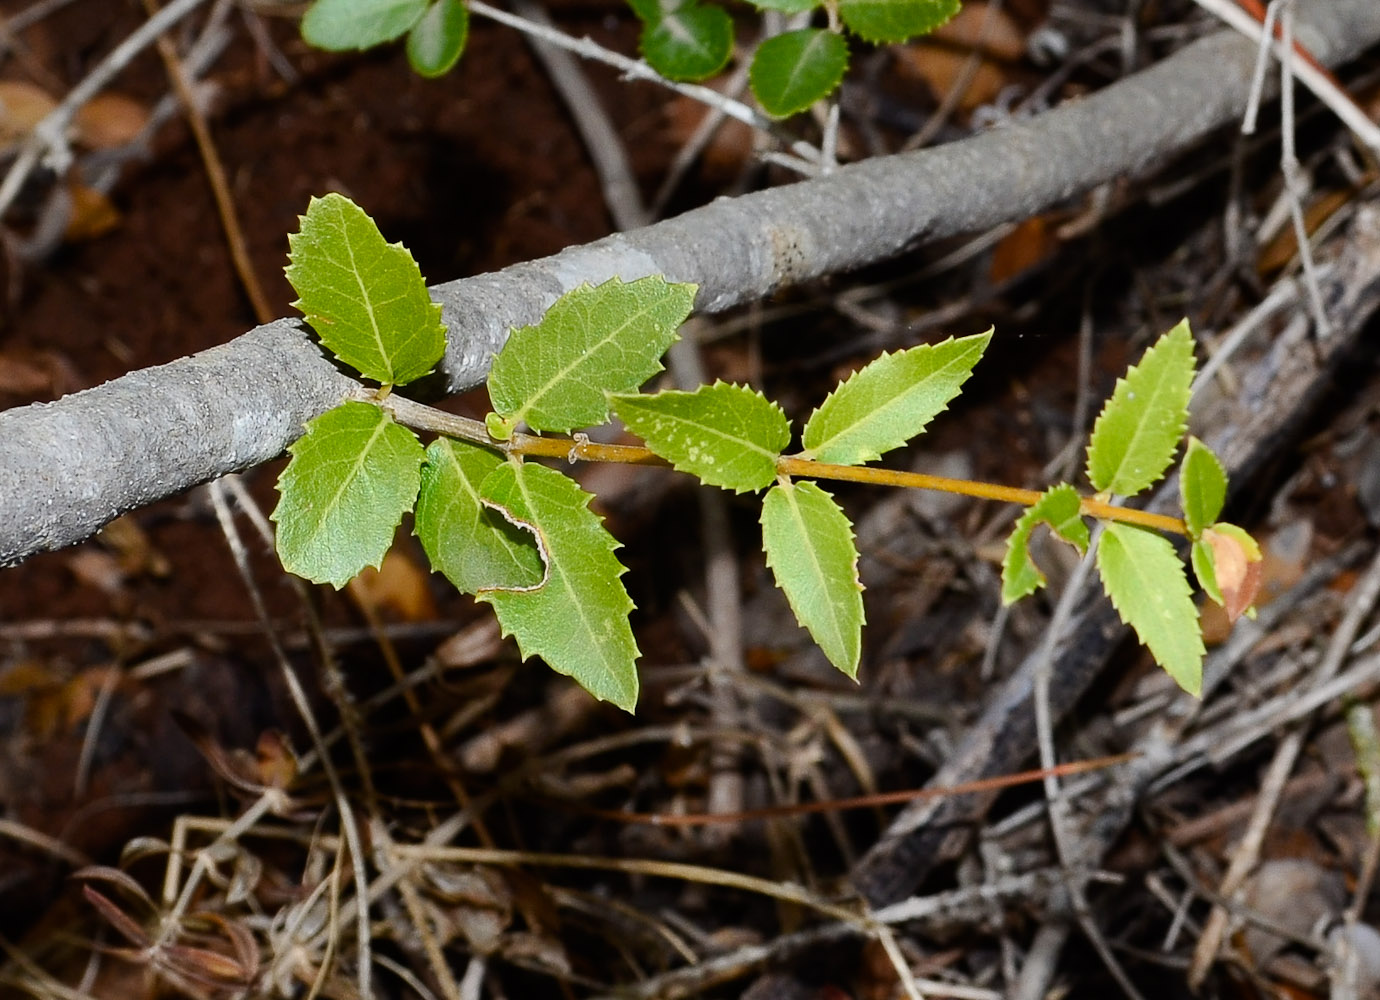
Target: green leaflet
(792,71)
(359,24)
(1146,583)
(1205,569)
(435,42)
(578,621)
(1203,487)
(895,20)
(364,296)
(1139,428)
(474,546)
(352,477)
(810,549)
(786,6)
(727,435)
(593,341)
(1058,508)
(888,402)
(1365,744)
(690,42)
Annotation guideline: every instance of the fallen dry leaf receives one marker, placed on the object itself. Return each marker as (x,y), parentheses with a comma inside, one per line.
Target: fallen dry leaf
(22,106)
(398,585)
(110,120)
(93,214)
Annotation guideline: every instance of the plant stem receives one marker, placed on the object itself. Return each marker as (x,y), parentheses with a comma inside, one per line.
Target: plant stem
(579,448)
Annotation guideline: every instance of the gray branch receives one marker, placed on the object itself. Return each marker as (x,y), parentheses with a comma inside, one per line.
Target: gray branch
(72,465)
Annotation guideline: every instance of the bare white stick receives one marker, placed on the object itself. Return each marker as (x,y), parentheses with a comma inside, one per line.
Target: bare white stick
(1309,75)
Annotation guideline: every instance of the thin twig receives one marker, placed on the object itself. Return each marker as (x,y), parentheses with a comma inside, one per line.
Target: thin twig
(636,69)
(49,137)
(1363,599)
(215,174)
(1316,80)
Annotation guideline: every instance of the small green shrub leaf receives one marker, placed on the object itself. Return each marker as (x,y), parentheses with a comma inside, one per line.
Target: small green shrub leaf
(1145,580)
(593,341)
(359,24)
(895,20)
(1203,486)
(365,297)
(810,549)
(786,6)
(728,435)
(691,42)
(792,71)
(352,477)
(1058,508)
(474,546)
(887,403)
(578,621)
(1139,429)
(1205,569)
(435,42)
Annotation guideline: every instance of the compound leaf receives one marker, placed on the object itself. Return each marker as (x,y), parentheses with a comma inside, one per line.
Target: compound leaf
(691,42)
(359,24)
(435,42)
(1203,487)
(578,620)
(810,549)
(352,477)
(593,341)
(364,296)
(888,402)
(474,546)
(727,435)
(1058,507)
(1146,583)
(1139,428)
(895,20)
(792,71)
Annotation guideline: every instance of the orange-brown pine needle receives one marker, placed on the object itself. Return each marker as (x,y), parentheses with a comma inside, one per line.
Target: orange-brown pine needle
(868,801)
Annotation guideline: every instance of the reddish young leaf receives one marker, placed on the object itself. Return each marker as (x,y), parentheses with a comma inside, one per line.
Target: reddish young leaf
(1236,560)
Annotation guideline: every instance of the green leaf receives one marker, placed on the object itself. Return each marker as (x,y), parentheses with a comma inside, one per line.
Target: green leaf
(578,621)
(352,477)
(1203,486)
(728,435)
(364,296)
(1059,508)
(649,10)
(890,401)
(474,546)
(1205,569)
(436,41)
(593,341)
(691,42)
(359,24)
(895,20)
(810,549)
(792,71)
(786,6)
(1139,429)
(1145,581)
